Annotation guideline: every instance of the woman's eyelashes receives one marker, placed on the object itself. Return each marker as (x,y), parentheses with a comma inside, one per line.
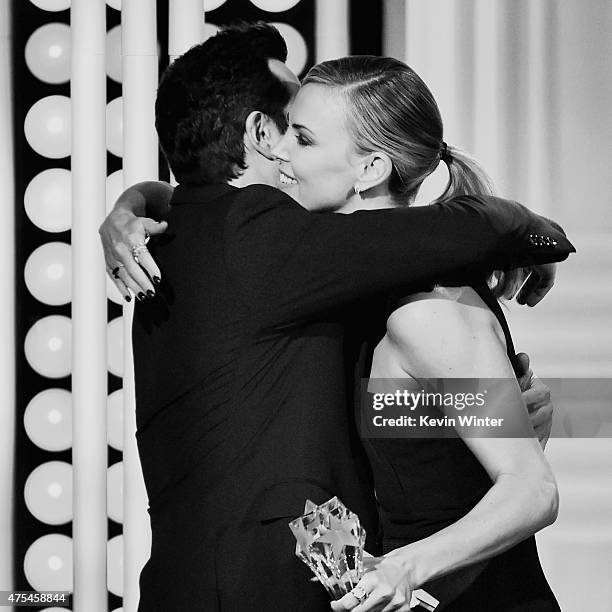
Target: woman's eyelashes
(302,140)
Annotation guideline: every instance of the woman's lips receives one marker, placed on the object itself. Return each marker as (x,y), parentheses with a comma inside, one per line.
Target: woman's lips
(287,179)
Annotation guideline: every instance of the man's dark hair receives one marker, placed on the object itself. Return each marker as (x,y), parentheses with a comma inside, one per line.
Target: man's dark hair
(205,96)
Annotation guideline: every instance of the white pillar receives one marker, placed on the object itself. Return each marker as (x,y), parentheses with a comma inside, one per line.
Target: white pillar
(539,103)
(488,120)
(7,321)
(394,40)
(331,29)
(454,45)
(185,26)
(438,43)
(435,33)
(140,150)
(418,21)
(89,366)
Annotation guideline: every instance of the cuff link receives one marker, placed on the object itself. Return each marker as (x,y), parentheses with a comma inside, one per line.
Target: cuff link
(538,240)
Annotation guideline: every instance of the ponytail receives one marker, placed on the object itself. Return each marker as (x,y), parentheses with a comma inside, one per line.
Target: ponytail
(466,177)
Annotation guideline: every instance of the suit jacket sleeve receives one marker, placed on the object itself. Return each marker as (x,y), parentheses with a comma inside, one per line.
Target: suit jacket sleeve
(298,265)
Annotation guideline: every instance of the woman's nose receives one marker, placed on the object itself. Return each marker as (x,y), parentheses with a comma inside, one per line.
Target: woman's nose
(281,150)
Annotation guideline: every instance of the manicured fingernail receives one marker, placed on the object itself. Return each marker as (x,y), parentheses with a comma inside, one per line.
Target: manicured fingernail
(156,280)
(141,296)
(150,294)
(128,298)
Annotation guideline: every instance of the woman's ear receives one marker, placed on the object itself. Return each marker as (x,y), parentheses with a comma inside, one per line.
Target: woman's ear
(261,133)
(373,170)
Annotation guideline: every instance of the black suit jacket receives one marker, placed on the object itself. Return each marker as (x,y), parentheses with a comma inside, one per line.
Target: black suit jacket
(243,409)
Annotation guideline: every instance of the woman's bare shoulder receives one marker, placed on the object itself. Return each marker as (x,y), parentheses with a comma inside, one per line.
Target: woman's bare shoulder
(443,305)
(444,332)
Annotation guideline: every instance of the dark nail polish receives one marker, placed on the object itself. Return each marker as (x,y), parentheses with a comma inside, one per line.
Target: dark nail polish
(150,294)
(128,298)
(141,296)
(156,280)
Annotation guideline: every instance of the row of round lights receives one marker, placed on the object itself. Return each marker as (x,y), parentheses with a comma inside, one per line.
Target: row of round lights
(48,131)
(48,420)
(48,563)
(273,6)
(48,48)
(48,346)
(48,202)
(54,573)
(48,492)
(47,53)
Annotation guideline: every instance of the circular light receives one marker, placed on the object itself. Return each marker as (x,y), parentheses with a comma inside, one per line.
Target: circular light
(48,419)
(297,51)
(114,419)
(115,346)
(55,416)
(52,5)
(56,610)
(48,563)
(48,346)
(56,343)
(275,6)
(116,4)
(114,126)
(48,200)
(114,565)
(47,127)
(211,5)
(48,273)
(47,53)
(210,29)
(113,54)
(48,493)
(114,188)
(55,489)
(114,492)
(55,562)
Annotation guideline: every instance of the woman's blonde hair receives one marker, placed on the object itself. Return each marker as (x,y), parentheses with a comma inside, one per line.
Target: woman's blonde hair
(390,109)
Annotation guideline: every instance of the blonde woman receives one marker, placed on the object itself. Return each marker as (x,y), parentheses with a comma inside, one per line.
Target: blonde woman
(369,126)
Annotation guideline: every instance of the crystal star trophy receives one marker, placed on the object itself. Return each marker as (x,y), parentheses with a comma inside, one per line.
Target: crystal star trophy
(330,541)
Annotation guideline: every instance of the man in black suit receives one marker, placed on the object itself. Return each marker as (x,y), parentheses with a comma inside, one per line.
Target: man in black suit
(243,375)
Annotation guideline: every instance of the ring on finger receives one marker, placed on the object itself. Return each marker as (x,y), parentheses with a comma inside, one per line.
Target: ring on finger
(116,269)
(359,593)
(139,248)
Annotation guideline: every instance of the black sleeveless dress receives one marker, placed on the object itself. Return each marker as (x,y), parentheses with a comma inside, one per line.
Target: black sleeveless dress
(424,485)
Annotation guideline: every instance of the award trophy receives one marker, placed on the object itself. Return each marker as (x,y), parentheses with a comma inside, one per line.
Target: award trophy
(330,541)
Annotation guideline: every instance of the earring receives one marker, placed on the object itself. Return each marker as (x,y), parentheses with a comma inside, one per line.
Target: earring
(357,189)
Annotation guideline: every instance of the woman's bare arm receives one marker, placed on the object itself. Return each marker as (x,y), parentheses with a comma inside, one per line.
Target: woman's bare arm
(451,334)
